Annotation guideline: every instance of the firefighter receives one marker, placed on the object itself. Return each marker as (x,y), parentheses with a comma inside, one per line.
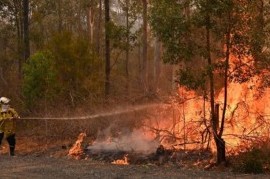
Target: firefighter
(7,124)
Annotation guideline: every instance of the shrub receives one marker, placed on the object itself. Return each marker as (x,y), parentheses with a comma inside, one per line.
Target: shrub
(250,162)
(40,79)
(80,70)
(253,163)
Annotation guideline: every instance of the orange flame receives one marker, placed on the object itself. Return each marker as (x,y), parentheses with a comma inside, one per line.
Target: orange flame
(77,150)
(123,161)
(187,123)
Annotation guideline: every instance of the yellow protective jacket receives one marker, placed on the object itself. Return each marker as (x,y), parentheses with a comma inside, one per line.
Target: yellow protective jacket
(7,121)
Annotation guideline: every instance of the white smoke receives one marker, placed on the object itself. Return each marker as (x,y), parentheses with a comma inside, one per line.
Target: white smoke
(135,141)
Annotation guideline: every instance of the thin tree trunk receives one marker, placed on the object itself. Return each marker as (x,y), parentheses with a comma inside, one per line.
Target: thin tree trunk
(19,49)
(210,72)
(60,25)
(220,143)
(221,152)
(26,29)
(99,28)
(127,48)
(140,68)
(258,34)
(107,49)
(90,19)
(144,48)
(227,58)
(157,60)
(18,12)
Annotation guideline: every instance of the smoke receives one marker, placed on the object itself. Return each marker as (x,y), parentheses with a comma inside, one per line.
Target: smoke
(133,141)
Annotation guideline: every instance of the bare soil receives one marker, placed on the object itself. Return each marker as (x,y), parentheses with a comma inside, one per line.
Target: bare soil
(47,158)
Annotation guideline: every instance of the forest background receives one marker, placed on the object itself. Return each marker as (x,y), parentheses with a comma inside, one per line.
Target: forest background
(59,55)
(63,57)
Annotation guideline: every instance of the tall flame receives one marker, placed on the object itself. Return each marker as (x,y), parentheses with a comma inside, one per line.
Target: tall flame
(247,115)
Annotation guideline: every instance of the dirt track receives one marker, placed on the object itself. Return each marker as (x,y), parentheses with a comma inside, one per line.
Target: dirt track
(31,166)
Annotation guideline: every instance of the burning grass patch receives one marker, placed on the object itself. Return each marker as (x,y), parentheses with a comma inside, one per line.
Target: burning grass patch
(116,154)
(195,158)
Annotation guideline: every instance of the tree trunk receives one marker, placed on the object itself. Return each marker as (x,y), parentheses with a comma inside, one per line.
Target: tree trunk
(140,68)
(26,30)
(127,48)
(226,71)
(20,51)
(59,13)
(99,28)
(220,143)
(258,31)
(107,49)
(221,152)
(144,49)
(90,19)
(157,60)
(210,72)
(19,27)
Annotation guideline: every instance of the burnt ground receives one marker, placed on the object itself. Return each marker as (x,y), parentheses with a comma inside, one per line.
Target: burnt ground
(47,158)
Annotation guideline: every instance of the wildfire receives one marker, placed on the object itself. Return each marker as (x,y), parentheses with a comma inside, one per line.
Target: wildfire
(77,150)
(185,124)
(123,161)
(247,115)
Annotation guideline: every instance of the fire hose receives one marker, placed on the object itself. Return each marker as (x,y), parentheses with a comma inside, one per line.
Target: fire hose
(93,116)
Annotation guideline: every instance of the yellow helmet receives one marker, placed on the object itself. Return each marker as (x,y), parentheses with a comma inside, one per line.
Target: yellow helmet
(4,100)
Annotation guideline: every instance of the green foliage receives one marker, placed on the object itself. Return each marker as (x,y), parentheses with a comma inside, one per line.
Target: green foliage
(79,68)
(117,35)
(69,71)
(173,29)
(191,80)
(40,78)
(181,26)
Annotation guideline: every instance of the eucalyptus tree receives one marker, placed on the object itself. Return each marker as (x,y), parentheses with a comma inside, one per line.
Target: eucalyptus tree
(124,33)
(144,46)
(107,48)
(15,13)
(26,40)
(260,44)
(64,28)
(208,34)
